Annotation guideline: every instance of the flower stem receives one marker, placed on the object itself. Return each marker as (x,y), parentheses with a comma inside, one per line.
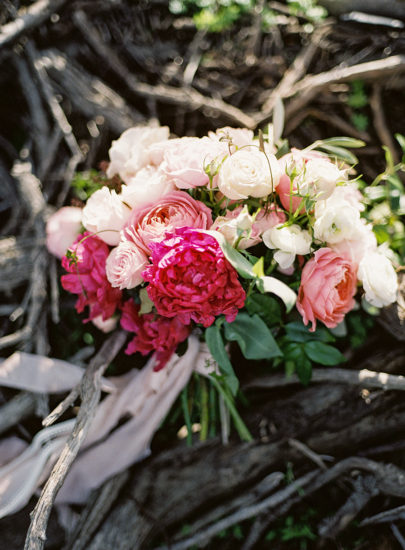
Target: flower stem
(240,426)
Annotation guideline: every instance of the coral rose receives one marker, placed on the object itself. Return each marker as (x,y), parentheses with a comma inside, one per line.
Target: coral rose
(87,277)
(328,284)
(153,333)
(190,278)
(177,209)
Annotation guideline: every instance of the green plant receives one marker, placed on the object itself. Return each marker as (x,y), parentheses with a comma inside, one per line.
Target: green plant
(357,100)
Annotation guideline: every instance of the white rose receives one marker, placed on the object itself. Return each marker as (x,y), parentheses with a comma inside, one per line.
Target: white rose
(130,152)
(319,178)
(248,174)
(233,228)
(355,248)
(289,241)
(125,264)
(105,214)
(336,220)
(149,185)
(379,279)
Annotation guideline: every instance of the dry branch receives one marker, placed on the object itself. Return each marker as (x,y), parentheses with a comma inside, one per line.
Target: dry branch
(90,396)
(16,409)
(29,18)
(363,377)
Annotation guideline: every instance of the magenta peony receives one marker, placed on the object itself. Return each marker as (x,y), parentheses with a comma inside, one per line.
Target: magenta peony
(153,333)
(190,278)
(87,277)
(177,209)
(328,284)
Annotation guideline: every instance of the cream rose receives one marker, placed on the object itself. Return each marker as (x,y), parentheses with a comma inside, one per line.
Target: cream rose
(131,151)
(289,241)
(379,279)
(125,264)
(248,174)
(105,214)
(149,185)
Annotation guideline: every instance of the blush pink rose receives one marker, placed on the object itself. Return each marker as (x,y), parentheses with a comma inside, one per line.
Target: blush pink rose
(190,279)
(328,285)
(125,264)
(152,333)
(87,277)
(177,209)
(295,160)
(62,229)
(185,159)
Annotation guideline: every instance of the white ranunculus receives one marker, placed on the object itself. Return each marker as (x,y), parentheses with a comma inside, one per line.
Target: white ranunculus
(336,220)
(289,241)
(105,214)
(231,228)
(130,152)
(379,279)
(361,243)
(319,178)
(149,185)
(248,173)
(125,264)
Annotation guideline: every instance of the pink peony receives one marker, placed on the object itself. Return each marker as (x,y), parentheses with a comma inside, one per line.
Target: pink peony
(151,222)
(153,333)
(185,159)
(62,229)
(328,284)
(87,277)
(125,264)
(190,278)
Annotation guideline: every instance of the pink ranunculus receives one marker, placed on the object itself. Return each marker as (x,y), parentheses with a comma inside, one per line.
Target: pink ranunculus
(152,333)
(328,284)
(190,278)
(125,264)
(87,277)
(177,209)
(185,159)
(62,229)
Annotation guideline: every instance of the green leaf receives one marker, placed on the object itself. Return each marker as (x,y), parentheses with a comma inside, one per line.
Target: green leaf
(280,289)
(339,153)
(298,332)
(265,306)
(295,357)
(253,336)
(342,141)
(235,258)
(216,346)
(323,354)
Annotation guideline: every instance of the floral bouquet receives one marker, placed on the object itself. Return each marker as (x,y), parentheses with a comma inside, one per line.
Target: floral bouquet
(230,237)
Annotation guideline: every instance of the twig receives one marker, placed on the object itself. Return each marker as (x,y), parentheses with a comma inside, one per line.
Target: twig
(334,120)
(364,377)
(16,409)
(53,104)
(90,394)
(388,516)
(305,450)
(398,535)
(364,490)
(380,124)
(188,98)
(310,86)
(245,513)
(28,19)
(62,407)
(293,74)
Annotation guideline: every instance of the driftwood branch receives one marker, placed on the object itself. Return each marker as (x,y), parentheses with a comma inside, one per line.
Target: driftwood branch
(90,395)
